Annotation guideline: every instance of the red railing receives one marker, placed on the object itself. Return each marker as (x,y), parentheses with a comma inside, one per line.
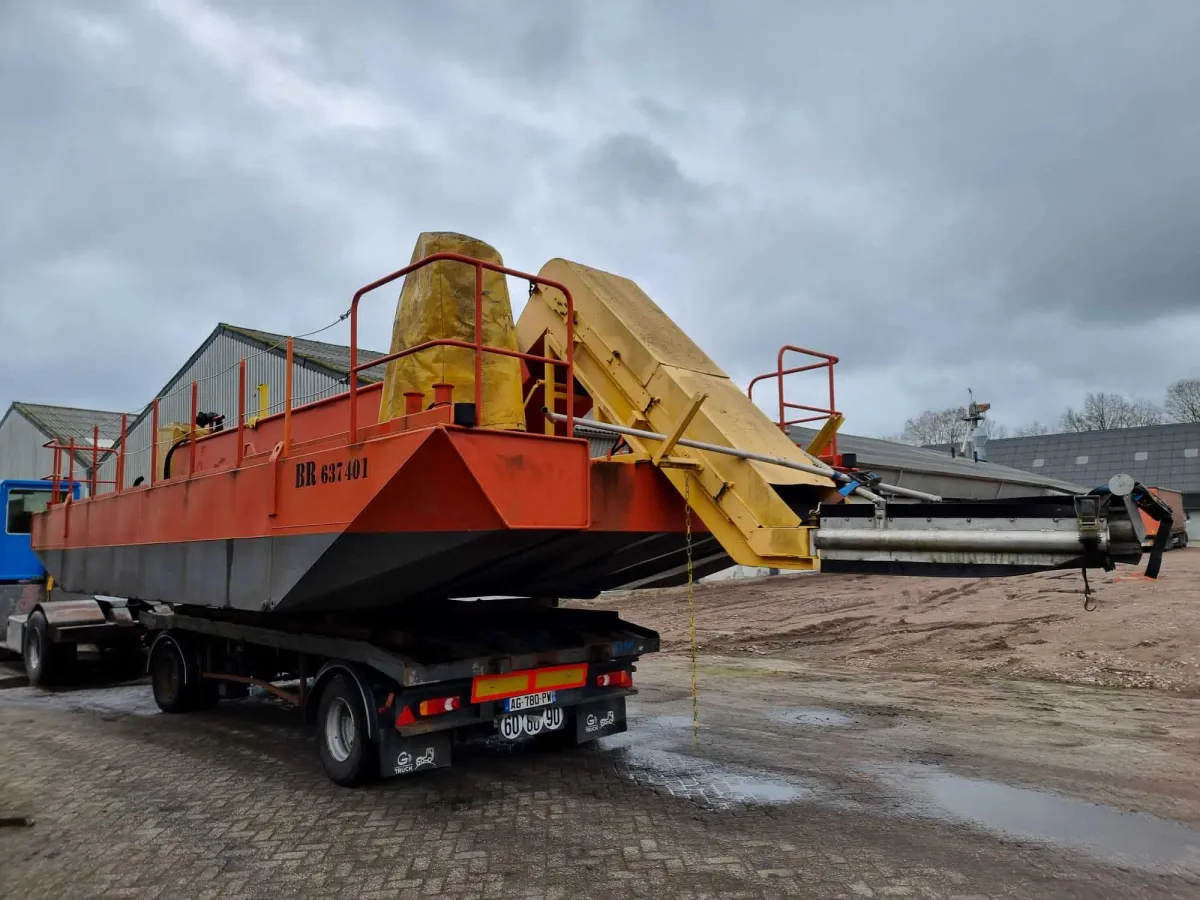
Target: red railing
(820,413)
(478,346)
(72,448)
(58,479)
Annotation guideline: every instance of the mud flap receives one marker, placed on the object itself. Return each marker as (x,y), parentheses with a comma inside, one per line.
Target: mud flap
(403,756)
(596,720)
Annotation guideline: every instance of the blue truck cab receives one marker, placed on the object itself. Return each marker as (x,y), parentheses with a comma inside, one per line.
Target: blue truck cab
(42,624)
(20,500)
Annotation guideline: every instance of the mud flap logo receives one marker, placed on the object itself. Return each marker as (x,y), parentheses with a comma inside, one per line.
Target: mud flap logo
(405,762)
(594,723)
(596,720)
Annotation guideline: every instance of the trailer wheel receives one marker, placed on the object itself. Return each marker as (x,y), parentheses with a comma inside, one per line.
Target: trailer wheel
(342,733)
(40,653)
(167,678)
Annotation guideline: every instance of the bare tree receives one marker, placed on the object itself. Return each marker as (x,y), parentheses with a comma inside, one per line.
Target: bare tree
(996,430)
(1183,400)
(936,426)
(1032,429)
(1102,411)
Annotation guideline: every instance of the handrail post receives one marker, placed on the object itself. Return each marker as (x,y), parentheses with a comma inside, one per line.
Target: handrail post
(354,366)
(779,384)
(120,486)
(479,342)
(154,444)
(192,428)
(70,490)
(56,479)
(287,400)
(95,459)
(570,363)
(241,426)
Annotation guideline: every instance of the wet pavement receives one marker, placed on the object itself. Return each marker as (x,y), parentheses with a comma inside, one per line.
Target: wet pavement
(770,797)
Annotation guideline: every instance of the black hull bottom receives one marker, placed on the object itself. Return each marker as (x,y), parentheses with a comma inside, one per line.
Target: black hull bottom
(322,573)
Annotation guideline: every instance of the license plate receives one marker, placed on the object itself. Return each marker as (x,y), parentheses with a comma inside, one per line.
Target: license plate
(529,701)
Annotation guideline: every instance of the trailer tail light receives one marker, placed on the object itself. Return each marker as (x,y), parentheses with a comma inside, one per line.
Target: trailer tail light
(527,681)
(438,706)
(615,679)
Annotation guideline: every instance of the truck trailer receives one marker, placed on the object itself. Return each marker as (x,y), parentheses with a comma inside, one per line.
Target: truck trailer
(392,559)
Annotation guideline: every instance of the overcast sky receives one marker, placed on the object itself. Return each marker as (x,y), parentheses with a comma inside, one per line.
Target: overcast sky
(1000,196)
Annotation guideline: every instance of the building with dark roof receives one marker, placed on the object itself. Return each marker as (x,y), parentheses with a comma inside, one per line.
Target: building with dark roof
(1166,456)
(27,427)
(319,370)
(938,473)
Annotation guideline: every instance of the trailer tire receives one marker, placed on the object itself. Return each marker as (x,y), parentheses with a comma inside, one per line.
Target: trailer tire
(43,660)
(346,749)
(168,678)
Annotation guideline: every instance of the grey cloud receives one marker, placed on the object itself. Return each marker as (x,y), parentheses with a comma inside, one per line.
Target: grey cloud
(1003,196)
(632,168)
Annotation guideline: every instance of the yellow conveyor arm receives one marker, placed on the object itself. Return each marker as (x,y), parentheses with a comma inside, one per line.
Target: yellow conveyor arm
(642,371)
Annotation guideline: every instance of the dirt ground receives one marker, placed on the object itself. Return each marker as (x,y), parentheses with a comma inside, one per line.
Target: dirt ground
(857,737)
(1143,634)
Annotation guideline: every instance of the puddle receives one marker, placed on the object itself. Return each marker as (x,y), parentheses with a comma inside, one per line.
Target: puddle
(1136,839)
(810,715)
(127,699)
(644,757)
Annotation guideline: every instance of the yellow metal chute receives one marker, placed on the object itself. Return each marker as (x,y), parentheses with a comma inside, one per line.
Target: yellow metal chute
(438,301)
(642,371)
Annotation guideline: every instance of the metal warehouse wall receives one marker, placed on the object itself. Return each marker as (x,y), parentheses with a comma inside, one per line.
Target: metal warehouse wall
(21,452)
(218,367)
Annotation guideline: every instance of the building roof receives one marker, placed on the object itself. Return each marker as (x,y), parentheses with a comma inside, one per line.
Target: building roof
(1165,456)
(930,467)
(61,423)
(334,358)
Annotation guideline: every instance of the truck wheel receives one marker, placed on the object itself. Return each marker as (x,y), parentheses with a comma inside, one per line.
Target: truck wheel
(167,670)
(342,733)
(43,662)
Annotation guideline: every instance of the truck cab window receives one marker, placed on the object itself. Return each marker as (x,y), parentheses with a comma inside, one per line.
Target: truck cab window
(22,504)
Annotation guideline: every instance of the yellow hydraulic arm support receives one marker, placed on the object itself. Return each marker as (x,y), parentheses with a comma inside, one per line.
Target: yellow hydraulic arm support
(642,371)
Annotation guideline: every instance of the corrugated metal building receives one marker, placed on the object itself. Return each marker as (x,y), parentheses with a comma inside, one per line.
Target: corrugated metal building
(1166,456)
(935,471)
(27,427)
(319,370)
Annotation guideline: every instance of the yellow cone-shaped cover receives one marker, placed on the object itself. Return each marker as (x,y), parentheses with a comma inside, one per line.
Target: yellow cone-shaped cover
(438,301)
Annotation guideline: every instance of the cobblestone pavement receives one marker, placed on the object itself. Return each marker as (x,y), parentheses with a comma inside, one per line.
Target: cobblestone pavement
(232,803)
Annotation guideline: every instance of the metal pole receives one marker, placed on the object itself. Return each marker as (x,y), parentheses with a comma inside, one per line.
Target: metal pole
(479,343)
(192,429)
(570,362)
(241,428)
(956,541)
(287,400)
(154,443)
(56,480)
(353,365)
(121,453)
(818,468)
(95,459)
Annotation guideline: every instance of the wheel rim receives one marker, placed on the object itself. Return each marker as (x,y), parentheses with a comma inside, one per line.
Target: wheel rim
(339,729)
(33,652)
